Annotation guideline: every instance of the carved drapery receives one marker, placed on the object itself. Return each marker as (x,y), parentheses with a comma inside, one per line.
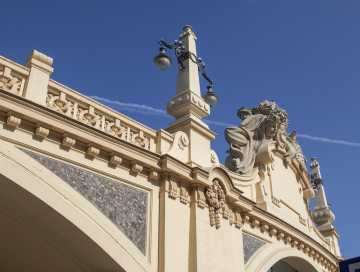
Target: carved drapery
(261,125)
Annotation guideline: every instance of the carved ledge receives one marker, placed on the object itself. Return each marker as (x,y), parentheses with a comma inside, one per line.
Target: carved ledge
(301,246)
(280,235)
(184,194)
(68,141)
(200,196)
(136,168)
(41,131)
(114,159)
(92,151)
(312,253)
(238,219)
(306,250)
(153,175)
(13,119)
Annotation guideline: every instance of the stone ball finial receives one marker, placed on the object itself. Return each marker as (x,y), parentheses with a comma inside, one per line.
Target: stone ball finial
(314,163)
(187,27)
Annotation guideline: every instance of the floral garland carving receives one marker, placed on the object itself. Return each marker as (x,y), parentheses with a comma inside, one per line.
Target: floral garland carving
(216,198)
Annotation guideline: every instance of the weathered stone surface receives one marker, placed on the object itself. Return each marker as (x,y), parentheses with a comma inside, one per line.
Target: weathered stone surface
(125,206)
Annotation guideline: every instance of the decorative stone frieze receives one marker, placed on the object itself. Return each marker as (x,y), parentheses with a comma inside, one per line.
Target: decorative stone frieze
(9,82)
(173,188)
(13,119)
(226,210)
(301,246)
(68,141)
(238,218)
(216,198)
(114,159)
(306,250)
(92,151)
(136,168)
(200,197)
(41,131)
(184,193)
(79,110)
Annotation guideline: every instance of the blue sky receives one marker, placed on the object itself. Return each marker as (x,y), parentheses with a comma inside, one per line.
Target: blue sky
(303,54)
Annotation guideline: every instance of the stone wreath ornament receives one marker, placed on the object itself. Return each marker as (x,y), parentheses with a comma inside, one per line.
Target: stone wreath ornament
(216,198)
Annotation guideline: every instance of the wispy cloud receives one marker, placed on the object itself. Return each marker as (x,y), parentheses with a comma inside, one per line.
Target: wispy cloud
(216,123)
(327,140)
(132,107)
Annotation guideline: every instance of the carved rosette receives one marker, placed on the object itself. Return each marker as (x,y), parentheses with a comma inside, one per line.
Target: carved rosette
(216,197)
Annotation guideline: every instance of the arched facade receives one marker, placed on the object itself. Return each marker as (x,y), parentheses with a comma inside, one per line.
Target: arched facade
(97,191)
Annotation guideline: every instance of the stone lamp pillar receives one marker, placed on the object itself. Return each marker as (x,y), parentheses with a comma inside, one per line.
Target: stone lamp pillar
(322,214)
(188,107)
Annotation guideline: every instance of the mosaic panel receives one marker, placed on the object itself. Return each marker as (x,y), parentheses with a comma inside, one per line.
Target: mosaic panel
(251,245)
(125,206)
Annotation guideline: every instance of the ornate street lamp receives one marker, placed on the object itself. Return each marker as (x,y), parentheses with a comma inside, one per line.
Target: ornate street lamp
(163,61)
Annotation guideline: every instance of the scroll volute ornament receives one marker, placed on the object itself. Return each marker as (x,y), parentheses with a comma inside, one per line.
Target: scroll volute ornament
(216,198)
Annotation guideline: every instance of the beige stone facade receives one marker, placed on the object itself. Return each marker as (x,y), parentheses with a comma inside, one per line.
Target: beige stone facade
(85,188)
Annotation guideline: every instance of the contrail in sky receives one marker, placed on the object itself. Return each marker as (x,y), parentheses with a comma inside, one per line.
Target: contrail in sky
(327,140)
(153,111)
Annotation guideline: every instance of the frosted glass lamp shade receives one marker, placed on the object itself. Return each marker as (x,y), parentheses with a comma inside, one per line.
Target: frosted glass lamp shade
(210,97)
(162,61)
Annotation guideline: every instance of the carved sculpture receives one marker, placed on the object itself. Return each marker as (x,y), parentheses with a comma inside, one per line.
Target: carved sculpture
(261,125)
(216,198)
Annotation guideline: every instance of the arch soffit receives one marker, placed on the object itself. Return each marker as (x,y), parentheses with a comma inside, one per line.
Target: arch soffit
(51,190)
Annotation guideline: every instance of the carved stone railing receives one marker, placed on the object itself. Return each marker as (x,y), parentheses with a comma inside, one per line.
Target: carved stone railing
(13,76)
(79,107)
